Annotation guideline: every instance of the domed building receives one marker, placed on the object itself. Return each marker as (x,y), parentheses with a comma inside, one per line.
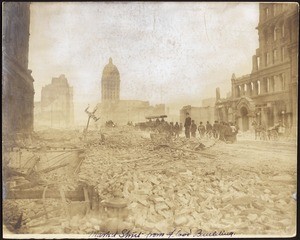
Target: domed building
(110,83)
(121,111)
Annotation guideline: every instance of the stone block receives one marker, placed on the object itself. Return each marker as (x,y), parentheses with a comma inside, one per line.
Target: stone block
(161,206)
(252,217)
(180,220)
(143,201)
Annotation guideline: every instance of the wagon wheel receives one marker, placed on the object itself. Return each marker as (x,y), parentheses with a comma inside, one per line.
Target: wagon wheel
(263,135)
(209,135)
(216,135)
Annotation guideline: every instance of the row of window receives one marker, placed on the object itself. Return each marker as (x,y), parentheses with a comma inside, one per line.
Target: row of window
(110,95)
(276,32)
(109,86)
(275,57)
(267,85)
(274,10)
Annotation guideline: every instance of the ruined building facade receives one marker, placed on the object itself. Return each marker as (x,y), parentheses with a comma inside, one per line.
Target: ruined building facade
(200,114)
(17,82)
(56,108)
(269,93)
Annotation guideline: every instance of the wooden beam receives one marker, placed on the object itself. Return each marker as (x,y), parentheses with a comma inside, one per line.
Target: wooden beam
(76,195)
(53,168)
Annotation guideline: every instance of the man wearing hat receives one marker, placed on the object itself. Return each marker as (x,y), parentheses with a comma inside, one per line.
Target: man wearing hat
(187,125)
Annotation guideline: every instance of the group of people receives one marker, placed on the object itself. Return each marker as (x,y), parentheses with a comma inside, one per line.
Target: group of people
(223,130)
(169,128)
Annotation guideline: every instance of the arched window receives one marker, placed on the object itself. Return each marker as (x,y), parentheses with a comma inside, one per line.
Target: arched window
(258,87)
(267,59)
(267,12)
(274,55)
(272,84)
(274,33)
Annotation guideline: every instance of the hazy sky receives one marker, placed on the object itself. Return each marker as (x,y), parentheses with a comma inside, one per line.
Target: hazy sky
(176,53)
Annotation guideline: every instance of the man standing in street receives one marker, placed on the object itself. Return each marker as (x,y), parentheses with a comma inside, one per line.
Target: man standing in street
(187,125)
(216,129)
(201,130)
(208,127)
(193,128)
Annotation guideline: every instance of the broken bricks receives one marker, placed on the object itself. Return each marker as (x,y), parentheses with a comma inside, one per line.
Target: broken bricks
(182,192)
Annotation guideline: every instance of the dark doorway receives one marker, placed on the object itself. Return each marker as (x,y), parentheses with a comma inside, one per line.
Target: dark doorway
(245,119)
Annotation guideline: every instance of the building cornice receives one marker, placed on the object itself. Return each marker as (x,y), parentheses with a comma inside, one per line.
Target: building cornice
(12,66)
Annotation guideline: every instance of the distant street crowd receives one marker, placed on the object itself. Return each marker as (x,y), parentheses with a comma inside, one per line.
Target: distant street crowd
(224,131)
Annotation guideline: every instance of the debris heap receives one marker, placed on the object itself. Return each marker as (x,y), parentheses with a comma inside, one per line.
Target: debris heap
(179,184)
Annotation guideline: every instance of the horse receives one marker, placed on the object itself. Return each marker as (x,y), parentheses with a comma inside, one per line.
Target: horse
(258,128)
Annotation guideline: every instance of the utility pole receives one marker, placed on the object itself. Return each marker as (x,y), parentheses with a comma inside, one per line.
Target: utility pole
(91,115)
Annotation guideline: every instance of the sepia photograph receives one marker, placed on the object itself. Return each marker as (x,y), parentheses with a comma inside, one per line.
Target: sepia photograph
(149,119)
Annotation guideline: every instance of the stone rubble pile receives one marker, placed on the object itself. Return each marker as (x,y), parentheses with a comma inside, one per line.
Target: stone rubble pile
(169,189)
(173,185)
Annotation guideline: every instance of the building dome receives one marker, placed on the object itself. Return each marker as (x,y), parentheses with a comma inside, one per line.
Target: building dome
(110,83)
(110,72)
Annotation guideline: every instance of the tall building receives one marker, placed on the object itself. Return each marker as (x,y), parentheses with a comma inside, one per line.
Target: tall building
(117,110)
(269,93)
(110,83)
(56,107)
(17,82)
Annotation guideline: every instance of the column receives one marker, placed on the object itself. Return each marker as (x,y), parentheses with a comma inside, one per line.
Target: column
(275,113)
(255,88)
(254,63)
(277,84)
(264,117)
(249,89)
(272,84)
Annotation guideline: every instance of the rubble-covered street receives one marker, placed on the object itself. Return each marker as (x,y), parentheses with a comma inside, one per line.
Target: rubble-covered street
(187,185)
(149,119)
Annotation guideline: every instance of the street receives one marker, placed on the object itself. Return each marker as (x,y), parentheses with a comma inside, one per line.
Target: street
(244,188)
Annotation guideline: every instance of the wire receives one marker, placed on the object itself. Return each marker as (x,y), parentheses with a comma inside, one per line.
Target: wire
(28,160)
